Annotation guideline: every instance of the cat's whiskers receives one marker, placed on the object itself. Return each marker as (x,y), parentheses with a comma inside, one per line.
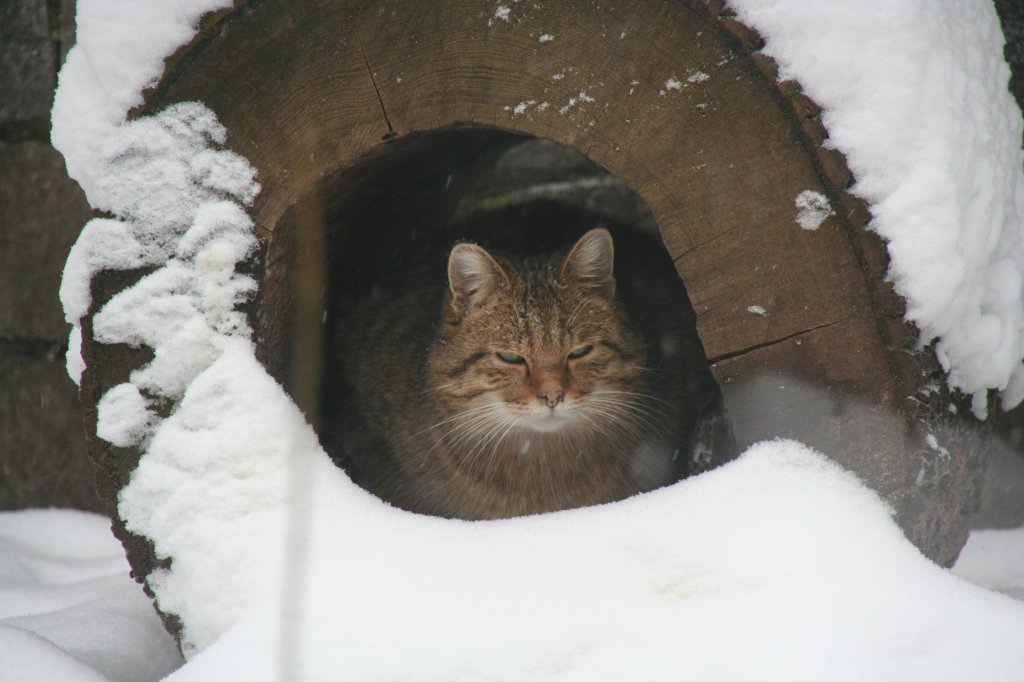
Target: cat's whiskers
(472,433)
(639,408)
(644,368)
(637,419)
(596,425)
(460,415)
(463,424)
(634,394)
(480,446)
(512,422)
(509,424)
(637,415)
(654,414)
(470,427)
(482,430)
(481,423)
(621,421)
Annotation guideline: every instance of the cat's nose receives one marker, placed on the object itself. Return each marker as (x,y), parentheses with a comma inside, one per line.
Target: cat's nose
(552,398)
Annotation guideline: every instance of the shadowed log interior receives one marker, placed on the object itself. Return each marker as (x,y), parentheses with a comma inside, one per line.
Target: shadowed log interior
(384,226)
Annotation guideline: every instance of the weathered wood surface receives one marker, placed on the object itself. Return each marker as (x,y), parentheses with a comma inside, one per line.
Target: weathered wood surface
(720,159)
(662,94)
(669,97)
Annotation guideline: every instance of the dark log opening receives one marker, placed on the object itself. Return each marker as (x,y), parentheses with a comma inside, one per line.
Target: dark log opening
(386,223)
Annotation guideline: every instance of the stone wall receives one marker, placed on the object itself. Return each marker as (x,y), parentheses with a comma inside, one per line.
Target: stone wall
(43,458)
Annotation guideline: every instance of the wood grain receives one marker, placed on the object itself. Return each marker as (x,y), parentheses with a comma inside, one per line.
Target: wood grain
(662,94)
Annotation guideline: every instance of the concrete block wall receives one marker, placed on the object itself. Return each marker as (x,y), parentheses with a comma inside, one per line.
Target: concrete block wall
(43,458)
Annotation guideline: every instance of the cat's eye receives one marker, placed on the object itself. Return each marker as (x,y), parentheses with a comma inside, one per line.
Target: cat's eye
(511,358)
(581,352)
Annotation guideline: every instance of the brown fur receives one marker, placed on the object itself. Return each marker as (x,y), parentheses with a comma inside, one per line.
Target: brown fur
(451,428)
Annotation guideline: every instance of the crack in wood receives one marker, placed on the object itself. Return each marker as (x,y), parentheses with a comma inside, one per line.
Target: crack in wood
(704,243)
(774,342)
(391,131)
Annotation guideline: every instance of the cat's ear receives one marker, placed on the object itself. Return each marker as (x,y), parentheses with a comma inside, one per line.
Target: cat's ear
(589,263)
(472,274)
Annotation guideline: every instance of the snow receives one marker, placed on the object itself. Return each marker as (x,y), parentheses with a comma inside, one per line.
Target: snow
(119,50)
(758,556)
(576,99)
(646,589)
(812,209)
(914,93)
(124,416)
(284,569)
(68,609)
(523,106)
(994,558)
(176,197)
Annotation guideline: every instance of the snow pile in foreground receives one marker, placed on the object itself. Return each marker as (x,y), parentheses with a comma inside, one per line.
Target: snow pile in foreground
(914,93)
(780,555)
(68,610)
(995,559)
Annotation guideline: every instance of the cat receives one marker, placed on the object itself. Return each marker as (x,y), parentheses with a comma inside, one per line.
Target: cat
(528,391)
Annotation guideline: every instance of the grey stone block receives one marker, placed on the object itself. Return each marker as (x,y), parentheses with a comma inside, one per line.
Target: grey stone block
(932,477)
(28,61)
(41,213)
(1003,506)
(43,460)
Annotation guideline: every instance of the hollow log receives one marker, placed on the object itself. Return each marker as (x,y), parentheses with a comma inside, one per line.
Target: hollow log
(802,333)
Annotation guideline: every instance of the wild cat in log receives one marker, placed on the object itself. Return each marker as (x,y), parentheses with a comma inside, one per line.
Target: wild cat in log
(527,392)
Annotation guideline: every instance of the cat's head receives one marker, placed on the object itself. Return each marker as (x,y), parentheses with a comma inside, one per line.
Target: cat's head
(537,342)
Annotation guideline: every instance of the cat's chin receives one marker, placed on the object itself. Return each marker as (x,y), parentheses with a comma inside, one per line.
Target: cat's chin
(548,423)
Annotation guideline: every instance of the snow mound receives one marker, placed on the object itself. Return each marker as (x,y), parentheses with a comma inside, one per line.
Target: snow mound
(915,95)
(994,559)
(780,555)
(68,609)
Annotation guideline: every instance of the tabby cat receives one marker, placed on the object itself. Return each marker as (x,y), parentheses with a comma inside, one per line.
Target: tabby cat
(527,392)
